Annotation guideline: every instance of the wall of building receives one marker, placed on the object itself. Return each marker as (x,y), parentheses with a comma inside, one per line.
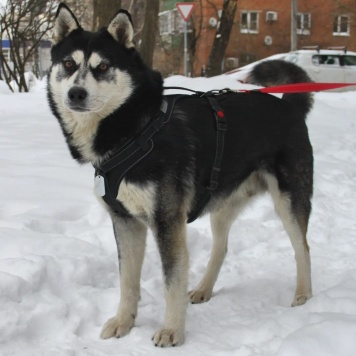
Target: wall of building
(272,36)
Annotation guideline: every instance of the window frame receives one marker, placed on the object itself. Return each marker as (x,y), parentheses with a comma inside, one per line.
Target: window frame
(304,30)
(339,23)
(170,23)
(248,29)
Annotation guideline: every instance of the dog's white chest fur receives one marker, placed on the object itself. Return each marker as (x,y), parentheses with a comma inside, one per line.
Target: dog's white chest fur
(138,200)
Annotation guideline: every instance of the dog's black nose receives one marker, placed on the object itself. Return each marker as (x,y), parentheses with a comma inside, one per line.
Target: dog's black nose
(77,95)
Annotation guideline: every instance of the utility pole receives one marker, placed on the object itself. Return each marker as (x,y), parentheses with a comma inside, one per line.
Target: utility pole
(293,37)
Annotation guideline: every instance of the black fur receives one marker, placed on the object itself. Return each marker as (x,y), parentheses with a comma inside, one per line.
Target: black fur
(279,72)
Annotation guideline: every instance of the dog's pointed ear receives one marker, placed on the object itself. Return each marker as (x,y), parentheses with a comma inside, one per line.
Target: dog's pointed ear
(121,29)
(64,23)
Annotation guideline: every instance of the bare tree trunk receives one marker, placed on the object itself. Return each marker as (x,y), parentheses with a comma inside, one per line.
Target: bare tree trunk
(222,37)
(104,11)
(194,37)
(149,31)
(294,37)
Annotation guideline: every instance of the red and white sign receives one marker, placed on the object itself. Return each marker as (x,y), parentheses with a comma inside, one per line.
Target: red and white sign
(185,9)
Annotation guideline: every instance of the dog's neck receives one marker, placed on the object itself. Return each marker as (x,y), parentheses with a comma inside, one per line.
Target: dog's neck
(93,139)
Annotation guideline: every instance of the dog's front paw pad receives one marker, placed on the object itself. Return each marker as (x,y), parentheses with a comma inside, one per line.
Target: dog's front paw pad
(199,296)
(300,299)
(168,337)
(116,327)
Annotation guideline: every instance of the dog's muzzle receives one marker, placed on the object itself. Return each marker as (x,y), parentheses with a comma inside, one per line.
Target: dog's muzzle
(77,98)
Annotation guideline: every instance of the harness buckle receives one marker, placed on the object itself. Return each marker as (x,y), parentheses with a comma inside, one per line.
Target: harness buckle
(221,125)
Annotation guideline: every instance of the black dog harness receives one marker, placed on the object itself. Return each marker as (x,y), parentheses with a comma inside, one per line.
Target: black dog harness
(110,173)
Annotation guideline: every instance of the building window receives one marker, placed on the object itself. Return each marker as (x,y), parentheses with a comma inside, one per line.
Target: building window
(170,22)
(303,23)
(249,22)
(165,23)
(341,25)
(6,53)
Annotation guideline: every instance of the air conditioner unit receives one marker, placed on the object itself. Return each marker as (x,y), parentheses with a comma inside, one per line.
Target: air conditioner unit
(268,40)
(271,16)
(232,62)
(213,22)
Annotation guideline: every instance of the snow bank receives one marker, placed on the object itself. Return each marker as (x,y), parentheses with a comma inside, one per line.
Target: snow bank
(58,260)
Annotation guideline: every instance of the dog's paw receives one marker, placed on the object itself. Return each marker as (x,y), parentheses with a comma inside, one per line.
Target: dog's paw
(117,327)
(197,296)
(168,337)
(300,299)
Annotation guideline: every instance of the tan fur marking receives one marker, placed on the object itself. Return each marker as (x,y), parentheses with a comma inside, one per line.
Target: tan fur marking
(94,60)
(78,57)
(139,201)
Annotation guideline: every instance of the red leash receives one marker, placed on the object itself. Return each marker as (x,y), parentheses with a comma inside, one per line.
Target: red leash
(299,88)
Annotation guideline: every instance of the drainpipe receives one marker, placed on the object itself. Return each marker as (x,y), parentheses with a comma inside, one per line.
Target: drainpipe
(293,37)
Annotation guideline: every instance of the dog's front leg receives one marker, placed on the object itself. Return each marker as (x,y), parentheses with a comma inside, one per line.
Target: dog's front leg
(130,236)
(171,239)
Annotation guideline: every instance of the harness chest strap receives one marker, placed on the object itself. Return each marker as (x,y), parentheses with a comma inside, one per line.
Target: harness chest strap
(110,173)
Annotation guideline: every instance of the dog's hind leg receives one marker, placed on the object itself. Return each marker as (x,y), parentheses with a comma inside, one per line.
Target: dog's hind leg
(294,208)
(221,222)
(130,236)
(170,233)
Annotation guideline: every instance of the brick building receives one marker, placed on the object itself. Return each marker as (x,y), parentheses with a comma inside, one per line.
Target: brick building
(263,27)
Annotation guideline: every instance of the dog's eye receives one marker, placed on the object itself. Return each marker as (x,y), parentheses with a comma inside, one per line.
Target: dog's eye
(103,67)
(69,64)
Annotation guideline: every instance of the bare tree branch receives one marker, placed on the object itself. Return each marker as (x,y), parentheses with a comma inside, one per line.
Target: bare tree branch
(24,23)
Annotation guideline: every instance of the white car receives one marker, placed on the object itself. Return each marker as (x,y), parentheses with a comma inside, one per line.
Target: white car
(322,65)
(326,65)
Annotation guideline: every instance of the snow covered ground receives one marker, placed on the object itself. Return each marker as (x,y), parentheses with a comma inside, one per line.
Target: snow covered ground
(59,270)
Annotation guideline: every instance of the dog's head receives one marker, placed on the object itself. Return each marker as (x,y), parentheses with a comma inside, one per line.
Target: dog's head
(90,74)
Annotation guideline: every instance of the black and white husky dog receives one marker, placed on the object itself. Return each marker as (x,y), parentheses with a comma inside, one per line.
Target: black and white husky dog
(106,100)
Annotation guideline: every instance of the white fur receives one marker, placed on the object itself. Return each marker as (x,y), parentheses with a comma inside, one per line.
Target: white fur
(283,208)
(78,57)
(95,59)
(131,242)
(103,98)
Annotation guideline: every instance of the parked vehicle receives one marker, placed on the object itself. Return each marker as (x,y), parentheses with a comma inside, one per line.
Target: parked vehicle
(326,65)
(322,65)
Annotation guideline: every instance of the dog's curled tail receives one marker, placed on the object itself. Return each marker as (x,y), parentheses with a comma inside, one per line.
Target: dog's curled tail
(279,72)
